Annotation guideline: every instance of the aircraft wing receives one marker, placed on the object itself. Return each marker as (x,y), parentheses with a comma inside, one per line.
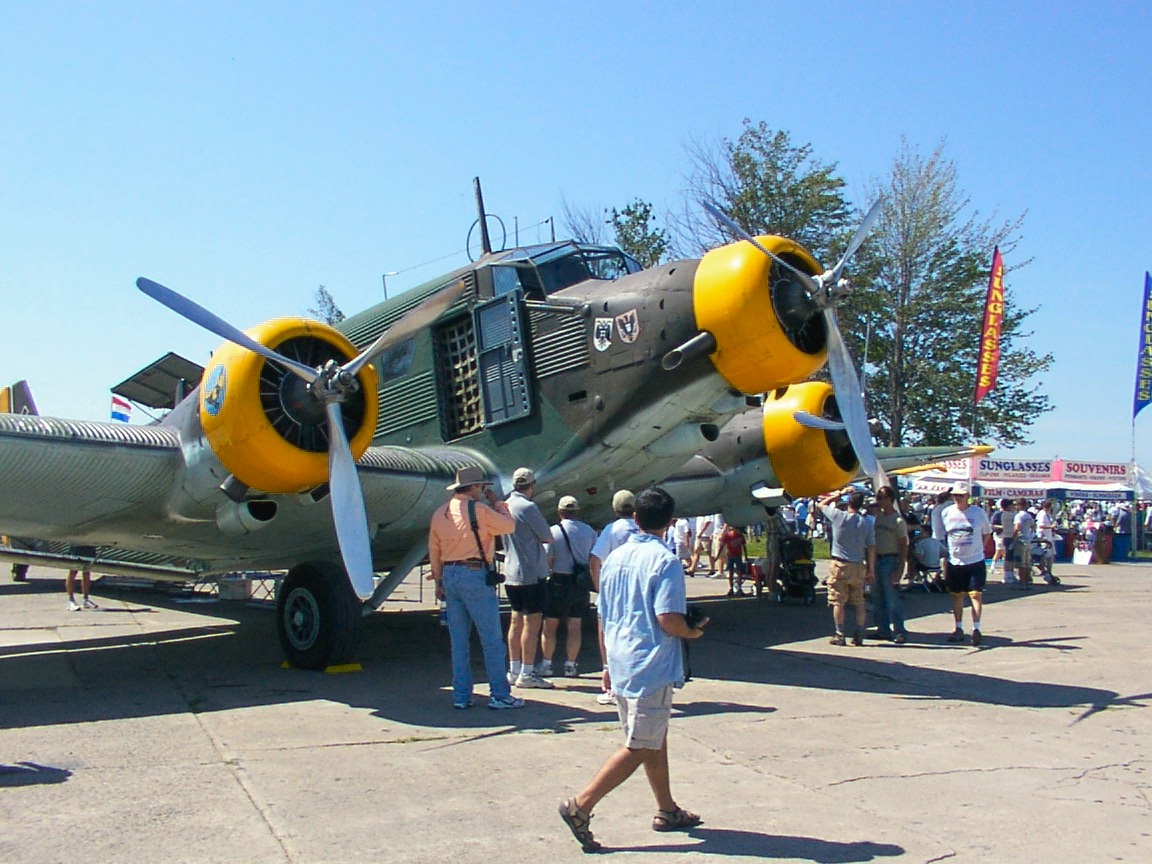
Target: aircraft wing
(150,503)
(68,479)
(741,470)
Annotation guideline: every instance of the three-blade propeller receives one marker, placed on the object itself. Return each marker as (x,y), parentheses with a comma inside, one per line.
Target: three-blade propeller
(329,384)
(825,290)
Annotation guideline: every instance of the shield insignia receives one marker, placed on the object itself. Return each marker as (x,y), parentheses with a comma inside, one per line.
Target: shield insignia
(602,334)
(629,326)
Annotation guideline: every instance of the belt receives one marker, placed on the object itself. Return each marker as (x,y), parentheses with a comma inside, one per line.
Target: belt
(889,555)
(468,562)
(845,560)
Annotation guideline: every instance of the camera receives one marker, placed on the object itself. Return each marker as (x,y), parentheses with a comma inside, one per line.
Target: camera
(694,615)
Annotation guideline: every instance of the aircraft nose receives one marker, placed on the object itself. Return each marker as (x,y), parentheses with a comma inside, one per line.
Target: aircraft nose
(768,332)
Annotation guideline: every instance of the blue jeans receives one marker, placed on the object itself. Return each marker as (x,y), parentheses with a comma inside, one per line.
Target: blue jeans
(471,601)
(887,604)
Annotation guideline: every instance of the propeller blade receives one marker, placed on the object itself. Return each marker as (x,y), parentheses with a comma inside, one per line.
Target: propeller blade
(807,281)
(348,511)
(197,314)
(849,396)
(833,276)
(814,422)
(408,326)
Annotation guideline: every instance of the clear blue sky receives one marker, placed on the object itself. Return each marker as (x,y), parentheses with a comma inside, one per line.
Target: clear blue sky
(246,153)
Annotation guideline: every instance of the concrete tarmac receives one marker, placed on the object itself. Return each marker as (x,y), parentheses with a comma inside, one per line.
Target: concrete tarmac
(156,730)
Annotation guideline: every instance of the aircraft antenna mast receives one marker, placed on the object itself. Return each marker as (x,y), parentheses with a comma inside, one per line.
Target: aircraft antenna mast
(485,241)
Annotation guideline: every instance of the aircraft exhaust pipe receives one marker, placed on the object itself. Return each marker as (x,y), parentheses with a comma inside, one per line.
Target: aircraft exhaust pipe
(245,517)
(702,343)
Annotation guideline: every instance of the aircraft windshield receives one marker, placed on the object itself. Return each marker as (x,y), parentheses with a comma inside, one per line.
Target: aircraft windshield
(543,270)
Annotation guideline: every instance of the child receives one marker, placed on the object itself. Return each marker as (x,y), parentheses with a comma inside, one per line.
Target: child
(734,544)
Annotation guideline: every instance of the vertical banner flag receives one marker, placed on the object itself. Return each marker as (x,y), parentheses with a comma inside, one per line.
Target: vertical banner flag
(121,409)
(1144,355)
(989,360)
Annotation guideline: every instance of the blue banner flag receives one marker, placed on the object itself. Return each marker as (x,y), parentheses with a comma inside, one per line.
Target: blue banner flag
(1144,356)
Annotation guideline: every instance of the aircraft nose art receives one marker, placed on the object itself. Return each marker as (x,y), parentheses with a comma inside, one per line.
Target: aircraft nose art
(767,335)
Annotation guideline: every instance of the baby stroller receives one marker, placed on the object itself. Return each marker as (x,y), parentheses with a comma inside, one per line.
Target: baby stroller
(796,576)
(1042,556)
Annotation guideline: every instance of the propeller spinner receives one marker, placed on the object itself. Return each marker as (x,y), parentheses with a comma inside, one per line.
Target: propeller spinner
(826,290)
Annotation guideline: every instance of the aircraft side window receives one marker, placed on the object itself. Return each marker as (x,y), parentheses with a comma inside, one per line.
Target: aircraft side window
(505,280)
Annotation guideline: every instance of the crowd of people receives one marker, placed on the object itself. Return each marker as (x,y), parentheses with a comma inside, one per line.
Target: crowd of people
(639,562)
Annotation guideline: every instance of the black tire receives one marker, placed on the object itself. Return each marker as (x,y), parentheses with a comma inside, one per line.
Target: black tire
(810,595)
(317,616)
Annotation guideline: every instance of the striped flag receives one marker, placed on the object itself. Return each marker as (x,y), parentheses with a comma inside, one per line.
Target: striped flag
(989,363)
(121,409)
(1144,356)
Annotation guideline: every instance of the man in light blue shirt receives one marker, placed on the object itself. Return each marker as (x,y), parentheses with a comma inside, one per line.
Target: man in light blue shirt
(642,606)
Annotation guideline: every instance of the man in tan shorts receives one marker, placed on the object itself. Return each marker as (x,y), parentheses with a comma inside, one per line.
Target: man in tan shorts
(853,559)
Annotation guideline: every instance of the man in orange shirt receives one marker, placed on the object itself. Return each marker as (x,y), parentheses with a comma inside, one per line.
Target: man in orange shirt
(460,557)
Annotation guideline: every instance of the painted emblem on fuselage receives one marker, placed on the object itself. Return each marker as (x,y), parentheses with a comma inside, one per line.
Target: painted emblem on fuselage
(628,326)
(602,334)
(214,391)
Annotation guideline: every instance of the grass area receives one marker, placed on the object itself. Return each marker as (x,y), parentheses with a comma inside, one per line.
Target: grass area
(820,549)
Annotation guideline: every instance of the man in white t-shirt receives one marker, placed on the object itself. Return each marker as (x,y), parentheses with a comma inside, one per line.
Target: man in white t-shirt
(964,572)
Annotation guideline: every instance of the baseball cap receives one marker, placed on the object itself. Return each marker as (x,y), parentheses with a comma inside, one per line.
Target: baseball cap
(961,489)
(568,502)
(623,500)
(523,477)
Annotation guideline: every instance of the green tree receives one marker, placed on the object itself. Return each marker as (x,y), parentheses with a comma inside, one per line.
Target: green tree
(767,185)
(633,229)
(326,309)
(636,234)
(921,280)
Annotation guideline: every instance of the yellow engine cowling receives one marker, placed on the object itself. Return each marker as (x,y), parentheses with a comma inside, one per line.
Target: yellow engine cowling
(264,432)
(807,462)
(732,299)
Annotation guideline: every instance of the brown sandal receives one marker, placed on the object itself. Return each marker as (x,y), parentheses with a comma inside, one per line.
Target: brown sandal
(578,822)
(674,820)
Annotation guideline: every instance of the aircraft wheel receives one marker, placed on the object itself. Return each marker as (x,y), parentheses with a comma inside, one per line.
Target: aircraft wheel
(317,616)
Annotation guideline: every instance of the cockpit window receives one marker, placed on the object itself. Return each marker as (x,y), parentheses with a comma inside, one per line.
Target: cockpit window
(541,270)
(610,265)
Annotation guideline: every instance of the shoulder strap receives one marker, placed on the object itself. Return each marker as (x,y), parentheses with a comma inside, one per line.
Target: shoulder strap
(475,529)
(567,542)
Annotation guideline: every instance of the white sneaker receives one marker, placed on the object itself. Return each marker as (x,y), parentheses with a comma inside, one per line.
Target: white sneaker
(72,606)
(497,703)
(571,670)
(88,604)
(608,698)
(532,681)
(543,669)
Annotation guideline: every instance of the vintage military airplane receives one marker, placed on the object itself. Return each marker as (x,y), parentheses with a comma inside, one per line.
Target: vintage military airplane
(323,450)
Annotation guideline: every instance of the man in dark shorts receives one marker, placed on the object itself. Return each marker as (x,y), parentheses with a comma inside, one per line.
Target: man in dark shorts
(572,542)
(964,571)
(526,566)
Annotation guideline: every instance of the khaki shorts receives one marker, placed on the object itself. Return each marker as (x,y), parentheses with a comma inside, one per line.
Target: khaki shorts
(845,583)
(645,718)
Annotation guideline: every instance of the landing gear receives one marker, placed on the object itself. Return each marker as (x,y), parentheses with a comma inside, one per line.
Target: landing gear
(317,616)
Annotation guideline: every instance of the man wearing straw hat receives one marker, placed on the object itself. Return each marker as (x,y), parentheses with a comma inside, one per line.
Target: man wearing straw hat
(461,541)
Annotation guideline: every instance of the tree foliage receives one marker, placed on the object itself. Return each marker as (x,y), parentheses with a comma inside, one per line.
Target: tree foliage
(636,234)
(326,309)
(633,229)
(767,185)
(921,279)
